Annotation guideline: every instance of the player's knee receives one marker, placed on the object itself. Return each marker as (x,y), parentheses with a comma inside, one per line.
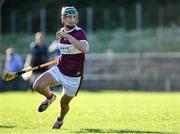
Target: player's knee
(37,86)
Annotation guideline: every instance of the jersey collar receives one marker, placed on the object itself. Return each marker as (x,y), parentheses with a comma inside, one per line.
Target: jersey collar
(70,30)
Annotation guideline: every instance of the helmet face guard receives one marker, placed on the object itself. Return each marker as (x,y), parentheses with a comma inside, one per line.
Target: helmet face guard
(66,11)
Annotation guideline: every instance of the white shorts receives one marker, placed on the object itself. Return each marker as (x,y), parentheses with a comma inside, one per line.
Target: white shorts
(70,85)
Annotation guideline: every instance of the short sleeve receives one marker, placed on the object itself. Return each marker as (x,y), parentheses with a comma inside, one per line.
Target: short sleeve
(81,35)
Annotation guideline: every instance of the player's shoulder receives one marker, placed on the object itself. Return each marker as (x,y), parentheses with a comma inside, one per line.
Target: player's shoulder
(79,29)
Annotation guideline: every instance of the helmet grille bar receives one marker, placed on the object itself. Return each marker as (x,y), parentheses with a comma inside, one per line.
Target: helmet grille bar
(68,10)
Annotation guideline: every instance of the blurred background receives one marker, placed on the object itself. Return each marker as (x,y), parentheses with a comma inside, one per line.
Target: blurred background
(134,44)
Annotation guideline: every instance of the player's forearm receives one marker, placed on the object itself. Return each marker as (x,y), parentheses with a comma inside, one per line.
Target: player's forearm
(81,45)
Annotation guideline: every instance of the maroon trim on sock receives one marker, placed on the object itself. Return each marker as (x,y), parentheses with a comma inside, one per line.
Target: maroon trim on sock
(50,96)
(58,119)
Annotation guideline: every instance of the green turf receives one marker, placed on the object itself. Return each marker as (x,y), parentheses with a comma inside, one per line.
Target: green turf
(100,112)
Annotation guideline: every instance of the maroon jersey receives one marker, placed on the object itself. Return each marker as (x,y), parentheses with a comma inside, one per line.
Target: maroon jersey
(71,61)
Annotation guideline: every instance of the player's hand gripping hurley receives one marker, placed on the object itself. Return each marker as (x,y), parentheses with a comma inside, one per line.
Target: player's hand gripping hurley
(7,76)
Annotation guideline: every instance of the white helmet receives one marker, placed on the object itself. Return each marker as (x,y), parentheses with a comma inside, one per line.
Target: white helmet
(68,10)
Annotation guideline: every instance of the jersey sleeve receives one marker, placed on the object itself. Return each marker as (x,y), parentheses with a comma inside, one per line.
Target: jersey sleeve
(82,35)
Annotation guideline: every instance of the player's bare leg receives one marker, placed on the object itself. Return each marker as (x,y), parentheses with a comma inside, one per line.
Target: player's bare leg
(64,104)
(41,85)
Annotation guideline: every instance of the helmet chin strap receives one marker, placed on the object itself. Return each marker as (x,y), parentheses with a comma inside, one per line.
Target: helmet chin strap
(69,26)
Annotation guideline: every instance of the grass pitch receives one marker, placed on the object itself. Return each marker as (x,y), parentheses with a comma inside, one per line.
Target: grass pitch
(93,112)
